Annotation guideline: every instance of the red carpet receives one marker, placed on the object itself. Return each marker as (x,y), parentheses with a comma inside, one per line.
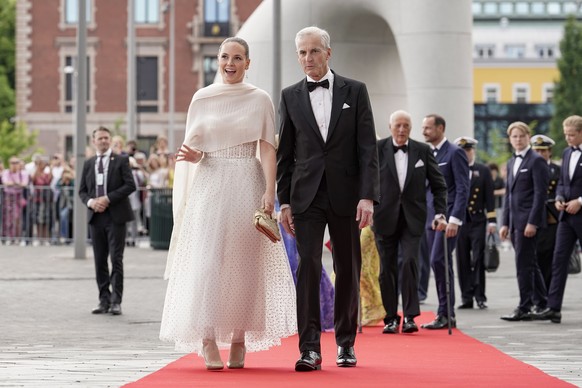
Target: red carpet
(426,358)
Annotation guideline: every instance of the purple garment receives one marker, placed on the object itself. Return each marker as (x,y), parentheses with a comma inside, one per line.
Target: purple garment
(326,291)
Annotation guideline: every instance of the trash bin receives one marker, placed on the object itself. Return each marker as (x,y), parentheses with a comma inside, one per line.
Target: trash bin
(162,221)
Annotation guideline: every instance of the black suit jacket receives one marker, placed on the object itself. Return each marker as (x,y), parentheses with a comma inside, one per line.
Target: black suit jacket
(526,192)
(348,157)
(422,168)
(569,189)
(120,185)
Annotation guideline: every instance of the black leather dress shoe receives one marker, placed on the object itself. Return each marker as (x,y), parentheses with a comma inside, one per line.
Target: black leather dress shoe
(409,326)
(346,357)
(101,309)
(392,326)
(481,305)
(115,309)
(440,322)
(517,315)
(467,305)
(548,314)
(309,361)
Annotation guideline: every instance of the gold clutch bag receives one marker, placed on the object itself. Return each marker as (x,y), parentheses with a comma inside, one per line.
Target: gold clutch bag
(267,225)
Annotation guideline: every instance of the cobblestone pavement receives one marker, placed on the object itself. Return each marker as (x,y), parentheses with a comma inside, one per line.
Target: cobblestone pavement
(50,339)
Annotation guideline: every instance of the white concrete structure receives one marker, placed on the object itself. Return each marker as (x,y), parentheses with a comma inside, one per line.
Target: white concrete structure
(412,54)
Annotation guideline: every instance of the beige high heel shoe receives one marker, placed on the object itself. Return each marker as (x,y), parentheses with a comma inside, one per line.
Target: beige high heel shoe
(211,355)
(236,358)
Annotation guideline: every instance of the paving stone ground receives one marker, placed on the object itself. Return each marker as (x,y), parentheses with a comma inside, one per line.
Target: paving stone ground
(49,338)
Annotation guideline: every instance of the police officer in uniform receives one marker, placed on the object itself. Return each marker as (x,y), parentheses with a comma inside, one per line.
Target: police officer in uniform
(480,219)
(547,237)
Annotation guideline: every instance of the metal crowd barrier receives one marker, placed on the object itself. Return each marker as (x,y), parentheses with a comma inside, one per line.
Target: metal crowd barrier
(42,215)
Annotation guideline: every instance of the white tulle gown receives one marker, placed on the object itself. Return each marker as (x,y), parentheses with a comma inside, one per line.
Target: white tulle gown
(227,280)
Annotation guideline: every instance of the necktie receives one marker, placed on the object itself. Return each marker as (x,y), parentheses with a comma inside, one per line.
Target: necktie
(472,167)
(435,151)
(574,149)
(311,86)
(403,148)
(100,181)
(518,155)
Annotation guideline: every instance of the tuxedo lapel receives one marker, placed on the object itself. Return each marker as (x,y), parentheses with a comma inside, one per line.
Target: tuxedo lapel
(112,166)
(413,158)
(90,178)
(389,157)
(340,92)
(305,106)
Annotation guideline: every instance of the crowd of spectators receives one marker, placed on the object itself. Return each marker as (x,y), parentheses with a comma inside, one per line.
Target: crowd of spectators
(36,197)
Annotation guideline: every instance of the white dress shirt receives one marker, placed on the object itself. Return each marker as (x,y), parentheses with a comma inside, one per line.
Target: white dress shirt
(517,163)
(105,161)
(321,99)
(401,162)
(574,159)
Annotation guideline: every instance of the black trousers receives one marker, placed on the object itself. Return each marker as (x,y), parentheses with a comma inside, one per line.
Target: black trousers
(108,239)
(529,277)
(347,262)
(545,251)
(388,252)
(437,262)
(470,256)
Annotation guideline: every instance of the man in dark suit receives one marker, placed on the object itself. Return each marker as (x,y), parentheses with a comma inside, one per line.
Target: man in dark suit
(569,203)
(523,214)
(327,174)
(105,186)
(453,164)
(542,144)
(405,168)
(479,220)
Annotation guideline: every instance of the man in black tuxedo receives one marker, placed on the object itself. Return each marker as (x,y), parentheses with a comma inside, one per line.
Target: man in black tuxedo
(405,168)
(542,144)
(455,168)
(480,219)
(569,203)
(105,187)
(523,214)
(327,174)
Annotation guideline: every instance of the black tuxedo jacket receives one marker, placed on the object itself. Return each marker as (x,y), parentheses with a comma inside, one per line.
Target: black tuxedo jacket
(526,192)
(348,157)
(569,189)
(120,185)
(422,168)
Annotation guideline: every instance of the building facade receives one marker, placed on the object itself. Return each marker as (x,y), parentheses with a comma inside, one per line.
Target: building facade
(46,57)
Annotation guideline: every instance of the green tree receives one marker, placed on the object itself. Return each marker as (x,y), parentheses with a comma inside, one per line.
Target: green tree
(568,89)
(16,140)
(7,58)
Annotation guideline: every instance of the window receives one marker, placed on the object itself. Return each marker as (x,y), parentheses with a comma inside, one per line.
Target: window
(490,8)
(506,8)
(546,51)
(490,93)
(147,11)
(514,51)
(210,69)
(217,18)
(522,8)
(72,11)
(538,8)
(570,7)
(520,93)
(485,51)
(147,84)
(548,93)
(477,8)
(554,8)
(70,69)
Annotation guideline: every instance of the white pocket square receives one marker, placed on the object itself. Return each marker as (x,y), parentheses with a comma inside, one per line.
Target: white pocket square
(420,163)
(346,106)
(442,164)
(523,170)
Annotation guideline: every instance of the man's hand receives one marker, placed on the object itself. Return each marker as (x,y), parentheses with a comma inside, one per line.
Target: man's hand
(573,206)
(286,219)
(365,213)
(440,224)
(100,204)
(451,230)
(503,232)
(530,230)
(491,228)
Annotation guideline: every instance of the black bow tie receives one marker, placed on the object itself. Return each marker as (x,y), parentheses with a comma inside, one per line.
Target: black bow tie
(402,148)
(574,149)
(312,85)
(518,155)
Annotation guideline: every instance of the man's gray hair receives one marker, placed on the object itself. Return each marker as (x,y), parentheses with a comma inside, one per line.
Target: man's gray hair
(399,113)
(323,34)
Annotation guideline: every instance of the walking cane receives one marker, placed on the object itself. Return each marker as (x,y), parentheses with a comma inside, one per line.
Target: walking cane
(447,281)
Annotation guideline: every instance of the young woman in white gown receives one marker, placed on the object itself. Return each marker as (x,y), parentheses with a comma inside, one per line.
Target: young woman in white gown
(229,286)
